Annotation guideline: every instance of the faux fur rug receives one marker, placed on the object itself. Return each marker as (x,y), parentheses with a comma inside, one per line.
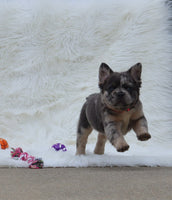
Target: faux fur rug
(50,52)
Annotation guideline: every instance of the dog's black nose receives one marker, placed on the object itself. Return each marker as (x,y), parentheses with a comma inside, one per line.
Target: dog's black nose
(120,94)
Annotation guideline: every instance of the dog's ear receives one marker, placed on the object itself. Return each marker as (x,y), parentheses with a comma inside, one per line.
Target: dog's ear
(135,71)
(104,72)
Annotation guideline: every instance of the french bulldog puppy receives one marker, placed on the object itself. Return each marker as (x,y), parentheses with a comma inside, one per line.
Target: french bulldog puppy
(114,111)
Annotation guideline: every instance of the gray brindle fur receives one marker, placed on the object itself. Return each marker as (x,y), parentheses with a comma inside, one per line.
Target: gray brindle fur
(114,111)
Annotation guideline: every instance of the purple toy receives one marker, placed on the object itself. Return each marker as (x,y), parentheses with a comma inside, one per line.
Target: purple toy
(59,146)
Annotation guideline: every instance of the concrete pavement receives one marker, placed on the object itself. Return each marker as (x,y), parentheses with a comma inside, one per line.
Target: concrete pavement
(117,183)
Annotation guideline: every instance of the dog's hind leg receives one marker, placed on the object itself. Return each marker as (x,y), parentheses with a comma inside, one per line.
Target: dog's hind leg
(100,145)
(84,129)
(82,137)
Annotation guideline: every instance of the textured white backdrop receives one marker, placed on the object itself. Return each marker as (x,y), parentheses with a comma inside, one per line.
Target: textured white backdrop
(50,52)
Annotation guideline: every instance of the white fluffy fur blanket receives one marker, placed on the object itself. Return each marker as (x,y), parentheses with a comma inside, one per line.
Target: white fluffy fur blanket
(50,52)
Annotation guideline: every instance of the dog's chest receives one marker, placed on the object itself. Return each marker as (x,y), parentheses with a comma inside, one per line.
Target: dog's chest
(125,125)
(123,121)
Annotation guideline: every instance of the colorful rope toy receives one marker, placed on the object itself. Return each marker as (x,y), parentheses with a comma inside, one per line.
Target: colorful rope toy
(59,146)
(3,143)
(34,163)
(15,153)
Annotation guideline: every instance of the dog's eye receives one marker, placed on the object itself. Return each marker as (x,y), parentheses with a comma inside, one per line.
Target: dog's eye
(111,88)
(127,87)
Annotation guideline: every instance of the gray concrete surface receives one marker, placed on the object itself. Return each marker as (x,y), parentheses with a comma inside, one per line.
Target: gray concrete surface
(116,183)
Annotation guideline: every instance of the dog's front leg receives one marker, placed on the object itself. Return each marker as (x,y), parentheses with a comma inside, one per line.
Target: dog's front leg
(115,136)
(141,128)
(100,145)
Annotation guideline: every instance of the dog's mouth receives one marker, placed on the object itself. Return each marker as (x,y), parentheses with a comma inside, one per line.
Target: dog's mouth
(121,102)
(119,105)
(122,105)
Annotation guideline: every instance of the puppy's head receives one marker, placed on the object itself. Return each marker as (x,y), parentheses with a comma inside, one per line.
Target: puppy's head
(120,90)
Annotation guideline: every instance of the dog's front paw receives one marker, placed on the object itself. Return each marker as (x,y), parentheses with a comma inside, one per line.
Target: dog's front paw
(121,145)
(144,136)
(123,148)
